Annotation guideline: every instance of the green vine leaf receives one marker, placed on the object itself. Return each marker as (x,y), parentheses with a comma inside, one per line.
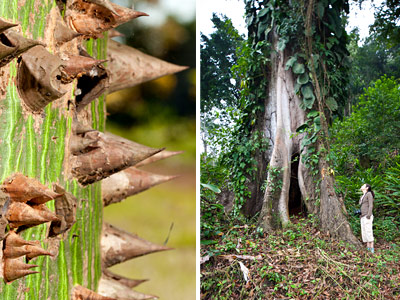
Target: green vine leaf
(335,22)
(290,62)
(211,187)
(303,79)
(308,96)
(313,114)
(263,12)
(297,87)
(317,124)
(282,44)
(249,20)
(331,103)
(309,102)
(298,68)
(302,128)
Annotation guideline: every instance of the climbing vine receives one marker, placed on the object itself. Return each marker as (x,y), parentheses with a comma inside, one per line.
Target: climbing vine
(312,34)
(251,72)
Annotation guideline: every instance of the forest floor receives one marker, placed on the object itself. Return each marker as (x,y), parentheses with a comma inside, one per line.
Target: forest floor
(299,262)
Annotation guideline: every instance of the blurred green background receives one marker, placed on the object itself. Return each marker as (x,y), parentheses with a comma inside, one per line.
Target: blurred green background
(161,113)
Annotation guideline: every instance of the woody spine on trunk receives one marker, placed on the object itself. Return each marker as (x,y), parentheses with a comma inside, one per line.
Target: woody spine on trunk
(51,196)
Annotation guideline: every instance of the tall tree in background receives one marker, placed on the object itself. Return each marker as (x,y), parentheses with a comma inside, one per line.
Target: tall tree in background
(386,25)
(379,53)
(54,153)
(218,89)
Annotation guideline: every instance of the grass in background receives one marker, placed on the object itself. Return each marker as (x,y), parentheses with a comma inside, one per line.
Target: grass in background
(149,214)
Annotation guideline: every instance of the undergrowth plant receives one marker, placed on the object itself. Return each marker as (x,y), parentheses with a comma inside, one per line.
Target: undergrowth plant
(365,150)
(299,262)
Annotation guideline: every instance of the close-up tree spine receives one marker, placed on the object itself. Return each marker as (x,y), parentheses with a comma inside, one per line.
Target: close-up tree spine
(57,64)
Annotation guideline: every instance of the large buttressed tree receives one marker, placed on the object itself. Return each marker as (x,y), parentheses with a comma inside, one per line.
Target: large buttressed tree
(305,45)
(56,65)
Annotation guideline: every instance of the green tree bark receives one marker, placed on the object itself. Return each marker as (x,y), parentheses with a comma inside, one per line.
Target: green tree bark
(57,141)
(35,145)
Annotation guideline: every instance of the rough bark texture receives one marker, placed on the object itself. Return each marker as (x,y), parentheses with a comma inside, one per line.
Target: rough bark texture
(289,116)
(286,143)
(227,199)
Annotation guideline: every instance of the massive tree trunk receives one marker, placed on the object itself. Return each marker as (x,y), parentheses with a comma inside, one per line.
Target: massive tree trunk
(54,153)
(285,104)
(316,183)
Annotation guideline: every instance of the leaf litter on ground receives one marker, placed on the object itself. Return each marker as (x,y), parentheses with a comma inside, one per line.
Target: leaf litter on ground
(298,262)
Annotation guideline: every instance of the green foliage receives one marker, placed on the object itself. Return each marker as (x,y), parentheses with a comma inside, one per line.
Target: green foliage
(211,187)
(212,213)
(275,180)
(299,262)
(239,146)
(219,93)
(371,134)
(218,53)
(386,186)
(370,62)
(242,165)
(386,25)
(365,149)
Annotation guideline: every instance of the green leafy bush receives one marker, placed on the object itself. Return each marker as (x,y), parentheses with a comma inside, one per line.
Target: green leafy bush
(365,149)
(370,136)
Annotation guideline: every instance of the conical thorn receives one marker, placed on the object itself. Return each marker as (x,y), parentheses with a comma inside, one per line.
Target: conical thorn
(113,155)
(76,66)
(4,25)
(39,77)
(14,240)
(21,214)
(63,34)
(35,251)
(21,188)
(13,40)
(81,293)
(118,246)
(131,283)
(129,182)
(79,145)
(106,4)
(14,268)
(15,246)
(117,290)
(129,67)
(159,156)
(92,19)
(6,53)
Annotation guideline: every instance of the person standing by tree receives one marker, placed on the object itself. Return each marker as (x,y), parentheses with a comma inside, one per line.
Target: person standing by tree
(366,202)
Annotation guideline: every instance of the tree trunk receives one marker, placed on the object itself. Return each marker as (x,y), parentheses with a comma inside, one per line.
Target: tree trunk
(286,143)
(52,115)
(253,203)
(286,105)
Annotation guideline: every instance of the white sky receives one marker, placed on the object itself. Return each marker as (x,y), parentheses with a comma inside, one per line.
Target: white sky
(234,9)
(184,10)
